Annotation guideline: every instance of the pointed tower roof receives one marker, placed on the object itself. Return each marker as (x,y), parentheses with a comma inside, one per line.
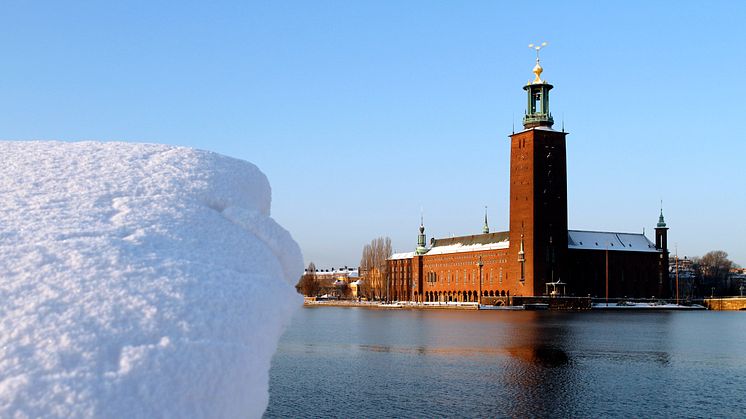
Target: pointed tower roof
(661,221)
(485,227)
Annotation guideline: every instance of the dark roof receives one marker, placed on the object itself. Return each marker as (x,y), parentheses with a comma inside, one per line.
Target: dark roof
(488,238)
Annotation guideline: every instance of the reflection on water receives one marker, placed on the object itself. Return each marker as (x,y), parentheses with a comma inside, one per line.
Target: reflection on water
(373,363)
(543,355)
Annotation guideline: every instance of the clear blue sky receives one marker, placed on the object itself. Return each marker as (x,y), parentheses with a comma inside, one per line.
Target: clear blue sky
(361,113)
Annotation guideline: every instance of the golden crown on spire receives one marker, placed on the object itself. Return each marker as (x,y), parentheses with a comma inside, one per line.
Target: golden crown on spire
(537,68)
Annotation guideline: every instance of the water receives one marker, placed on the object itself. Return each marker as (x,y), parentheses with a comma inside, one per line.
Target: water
(353,362)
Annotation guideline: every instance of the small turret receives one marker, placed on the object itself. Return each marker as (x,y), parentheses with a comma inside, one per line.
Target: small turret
(485,227)
(661,243)
(521,253)
(661,233)
(421,240)
(661,221)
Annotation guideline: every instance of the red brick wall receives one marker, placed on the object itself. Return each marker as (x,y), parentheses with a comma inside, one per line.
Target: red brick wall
(538,206)
(447,277)
(400,279)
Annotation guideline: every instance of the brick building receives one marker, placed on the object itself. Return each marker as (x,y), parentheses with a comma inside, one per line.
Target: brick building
(538,255)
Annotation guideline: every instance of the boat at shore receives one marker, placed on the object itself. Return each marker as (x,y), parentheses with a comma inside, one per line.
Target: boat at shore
(490,307)
(536,306)
(390,305)
(627,305)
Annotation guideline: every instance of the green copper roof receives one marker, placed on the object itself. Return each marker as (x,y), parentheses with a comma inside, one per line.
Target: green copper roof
(661,221)
(421,249)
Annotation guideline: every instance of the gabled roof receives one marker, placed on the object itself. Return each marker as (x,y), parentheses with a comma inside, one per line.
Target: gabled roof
(489,238)
(473,243)
(603,240)
(576,239)
(397,256)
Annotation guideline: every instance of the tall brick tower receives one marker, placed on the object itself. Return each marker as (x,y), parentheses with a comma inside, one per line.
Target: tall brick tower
(661,243)
(538,195)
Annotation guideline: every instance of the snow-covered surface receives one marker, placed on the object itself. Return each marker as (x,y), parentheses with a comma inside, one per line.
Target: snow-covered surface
(602,240)
(646,306)
(458,247)
(138,281)
(347,273)
(399,256)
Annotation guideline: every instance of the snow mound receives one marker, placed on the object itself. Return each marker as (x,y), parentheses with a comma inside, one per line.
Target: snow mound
(138,280)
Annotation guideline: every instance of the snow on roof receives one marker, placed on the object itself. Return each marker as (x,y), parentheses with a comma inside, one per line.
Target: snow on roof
(602,240)
(130,269)
(457,248)
(348,272)
(397,256)
(473,243)
(540,127)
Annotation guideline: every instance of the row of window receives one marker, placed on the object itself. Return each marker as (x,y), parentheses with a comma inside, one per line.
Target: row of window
(469,277)
(485,261)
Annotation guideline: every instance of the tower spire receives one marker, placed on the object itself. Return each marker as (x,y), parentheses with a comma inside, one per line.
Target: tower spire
(421,249)
(485,227)
(661,243)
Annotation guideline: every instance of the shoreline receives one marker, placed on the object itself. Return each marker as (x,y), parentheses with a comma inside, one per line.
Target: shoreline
(398,306)
(473,306)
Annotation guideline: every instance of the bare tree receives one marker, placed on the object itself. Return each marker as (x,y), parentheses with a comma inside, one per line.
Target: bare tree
(342,290)
(713,269)
(373,267)
(308,284)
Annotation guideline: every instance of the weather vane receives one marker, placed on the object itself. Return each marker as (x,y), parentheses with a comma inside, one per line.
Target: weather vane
(537,68)
(538,48)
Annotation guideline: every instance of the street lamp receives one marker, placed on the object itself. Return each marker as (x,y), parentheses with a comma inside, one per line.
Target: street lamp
(480,264)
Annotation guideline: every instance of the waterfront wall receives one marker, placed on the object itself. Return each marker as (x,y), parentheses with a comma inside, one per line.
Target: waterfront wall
(556,303)
(732,303)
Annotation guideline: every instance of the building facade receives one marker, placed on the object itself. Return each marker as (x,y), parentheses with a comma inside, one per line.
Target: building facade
(538,255)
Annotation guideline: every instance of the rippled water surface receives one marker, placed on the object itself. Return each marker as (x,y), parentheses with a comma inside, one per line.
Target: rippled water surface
(353,362)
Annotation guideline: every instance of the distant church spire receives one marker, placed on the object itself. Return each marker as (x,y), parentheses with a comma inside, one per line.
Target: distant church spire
(537,110)
(485,227)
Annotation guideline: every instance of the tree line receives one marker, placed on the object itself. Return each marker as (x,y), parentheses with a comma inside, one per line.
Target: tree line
(712,275)
(373,272)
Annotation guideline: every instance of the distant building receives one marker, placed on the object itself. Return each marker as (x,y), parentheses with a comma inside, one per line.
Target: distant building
(538,256)
(333,280)
(681,271)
